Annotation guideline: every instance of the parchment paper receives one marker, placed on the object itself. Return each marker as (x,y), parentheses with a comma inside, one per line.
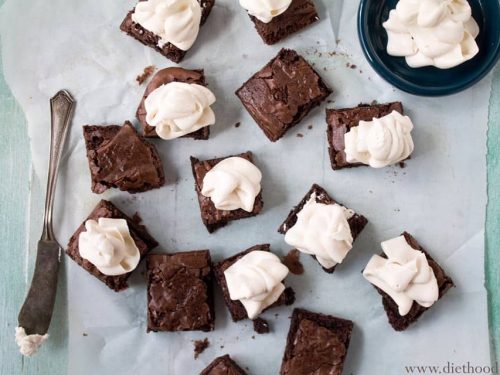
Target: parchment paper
(439,197)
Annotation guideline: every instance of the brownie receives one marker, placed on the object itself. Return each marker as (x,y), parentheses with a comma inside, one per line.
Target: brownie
(223,365)
(211,216)
(161,78)
(356,222)
(300,13)
(398,322)
(282,93)
(140,235)
(316,344)
(236,308)
(340,122)
(180,292)
(150,39)
(121,158)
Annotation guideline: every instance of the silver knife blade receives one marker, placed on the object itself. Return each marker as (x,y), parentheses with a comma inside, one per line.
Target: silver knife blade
(36,312)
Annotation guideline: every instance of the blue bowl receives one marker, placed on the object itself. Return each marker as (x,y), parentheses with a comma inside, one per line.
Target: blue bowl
(429,81)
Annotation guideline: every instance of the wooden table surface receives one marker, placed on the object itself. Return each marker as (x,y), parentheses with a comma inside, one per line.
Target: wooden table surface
(21,193)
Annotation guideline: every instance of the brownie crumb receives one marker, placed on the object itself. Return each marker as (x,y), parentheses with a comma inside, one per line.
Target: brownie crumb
(310,127)
(374,102)
(148,70)
(402,164)
(330,101)
(200,346)
(237,125)
(253,337)
(84,334)
(300,135)
(292,261)
(353,66)
(222,346)
(289,296)
(261,326)
(137,218)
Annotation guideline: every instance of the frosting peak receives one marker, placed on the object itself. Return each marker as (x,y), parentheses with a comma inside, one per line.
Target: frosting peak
(432,32)
(265,10)
(233,183)
(322,230)
(256,281)
(380,142)
(405,275)
(174,21)
(179,108)
(108,245)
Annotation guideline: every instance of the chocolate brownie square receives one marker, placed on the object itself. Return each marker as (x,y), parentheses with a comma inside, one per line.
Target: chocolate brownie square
(398,322)
(140,235)
(180,292)
(211,216)
(150,39)
(316,344)
(236,308)
(282,93)
(300,13)
(356,222)
(121,158)
(223,365)
(162,77)
(340,121)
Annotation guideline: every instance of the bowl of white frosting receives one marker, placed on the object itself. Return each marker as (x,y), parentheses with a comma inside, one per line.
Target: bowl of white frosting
(430,47)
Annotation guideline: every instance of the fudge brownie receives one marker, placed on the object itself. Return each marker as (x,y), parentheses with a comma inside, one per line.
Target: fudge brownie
(282,93)
(140,235)
(121,158)
(300,13)
(223,365)
(236,308)
(150,39)
(398,322)
(340,121)
(161,78)
(180,292)
(316,344)
(211,216)
(356,222)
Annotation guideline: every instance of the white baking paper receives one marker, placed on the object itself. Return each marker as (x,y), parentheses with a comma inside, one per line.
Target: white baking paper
(440,196)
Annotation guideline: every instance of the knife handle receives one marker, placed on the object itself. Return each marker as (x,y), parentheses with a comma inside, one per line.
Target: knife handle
(61,110)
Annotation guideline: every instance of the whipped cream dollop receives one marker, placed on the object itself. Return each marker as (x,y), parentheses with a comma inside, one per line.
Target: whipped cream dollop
(233,183)
(322,230)
(174,21)
(405,275)
(265,10)
(380,142)
(441,33)
(179,108)
(256,281)
(108,245)
(29,344)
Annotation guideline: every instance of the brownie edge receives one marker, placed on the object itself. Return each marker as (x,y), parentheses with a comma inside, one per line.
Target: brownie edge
(223,365)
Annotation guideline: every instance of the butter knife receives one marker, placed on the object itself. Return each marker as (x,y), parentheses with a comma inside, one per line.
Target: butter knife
(36,312)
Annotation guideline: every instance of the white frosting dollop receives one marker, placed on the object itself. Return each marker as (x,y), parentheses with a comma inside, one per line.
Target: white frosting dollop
(405,275)
(108,245)
(29,344)
(174,21)
(441,33)
(322,230)
(233,183)
(265,10)
(256,281)
(179,108)
(380,142)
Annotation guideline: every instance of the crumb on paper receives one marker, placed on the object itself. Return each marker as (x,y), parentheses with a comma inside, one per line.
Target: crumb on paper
(300,135)
(310,127)
(292,261)
(200,346)
(261,326)
(148,70)
(402,164)
(84,334)
(29,344)
(237,125)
